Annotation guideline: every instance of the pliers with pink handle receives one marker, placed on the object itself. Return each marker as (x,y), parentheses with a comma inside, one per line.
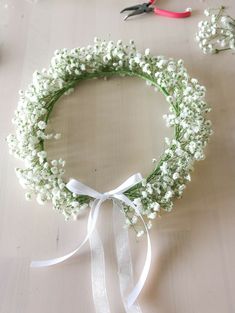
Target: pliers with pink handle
(148,7)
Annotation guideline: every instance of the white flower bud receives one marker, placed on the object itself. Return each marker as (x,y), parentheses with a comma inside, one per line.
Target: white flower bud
(144,194)
(42,125)
(140,233)
(176,176)
(41,199)
(156,206)
(57,136)
(152,215)
(28,196)
(147,51)
(54,170)
(206,12)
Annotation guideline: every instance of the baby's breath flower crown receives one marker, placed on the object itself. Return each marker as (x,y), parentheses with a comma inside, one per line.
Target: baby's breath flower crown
(217,33)
(187,113)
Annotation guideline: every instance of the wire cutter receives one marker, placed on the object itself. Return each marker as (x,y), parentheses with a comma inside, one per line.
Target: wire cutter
(148,7)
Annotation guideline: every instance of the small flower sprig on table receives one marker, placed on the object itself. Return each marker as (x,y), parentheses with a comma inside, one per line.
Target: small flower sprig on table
(218,33)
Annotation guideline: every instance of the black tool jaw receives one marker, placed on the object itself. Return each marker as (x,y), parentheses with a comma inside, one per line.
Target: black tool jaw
(138,9)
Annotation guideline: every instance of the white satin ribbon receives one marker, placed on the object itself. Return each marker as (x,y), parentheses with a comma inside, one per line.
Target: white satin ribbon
(98,281)
(118,196)
(123,253)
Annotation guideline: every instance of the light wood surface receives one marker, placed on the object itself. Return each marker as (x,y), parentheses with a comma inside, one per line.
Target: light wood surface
(112,129)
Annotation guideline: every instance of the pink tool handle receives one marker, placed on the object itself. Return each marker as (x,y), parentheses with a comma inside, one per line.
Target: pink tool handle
(172,14)
(166,13)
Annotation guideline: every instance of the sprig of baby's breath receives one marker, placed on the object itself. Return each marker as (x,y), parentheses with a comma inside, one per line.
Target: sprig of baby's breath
(216,34)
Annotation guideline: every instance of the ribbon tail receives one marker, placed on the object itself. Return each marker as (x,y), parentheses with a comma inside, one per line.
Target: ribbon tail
(93,216)
(143,277)
(125,270)
(98,281)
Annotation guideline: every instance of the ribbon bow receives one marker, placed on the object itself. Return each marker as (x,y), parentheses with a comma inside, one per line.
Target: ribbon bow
(118,197)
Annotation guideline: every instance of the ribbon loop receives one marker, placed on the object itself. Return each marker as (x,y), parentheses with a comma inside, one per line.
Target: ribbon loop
(79,188)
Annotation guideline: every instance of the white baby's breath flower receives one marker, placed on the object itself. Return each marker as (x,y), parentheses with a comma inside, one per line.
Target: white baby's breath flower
(140,233)
(152,215)
(176,176)
(54,162)
(28,196)
(134,219)
(169,194)
(41,199)
(137,202)
(147,51)
(206,12)
(54,170)
(144,182)
(156,206)
(75,204)
(57,136)
(144,194)
(42,125)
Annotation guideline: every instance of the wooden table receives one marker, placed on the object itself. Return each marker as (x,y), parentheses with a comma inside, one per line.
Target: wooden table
(110,130)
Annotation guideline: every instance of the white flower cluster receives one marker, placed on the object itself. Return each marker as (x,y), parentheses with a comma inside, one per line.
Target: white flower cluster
(218,33)
(187,111)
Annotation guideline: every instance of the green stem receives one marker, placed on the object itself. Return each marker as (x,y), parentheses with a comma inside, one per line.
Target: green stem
(219,50)
(220,11)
